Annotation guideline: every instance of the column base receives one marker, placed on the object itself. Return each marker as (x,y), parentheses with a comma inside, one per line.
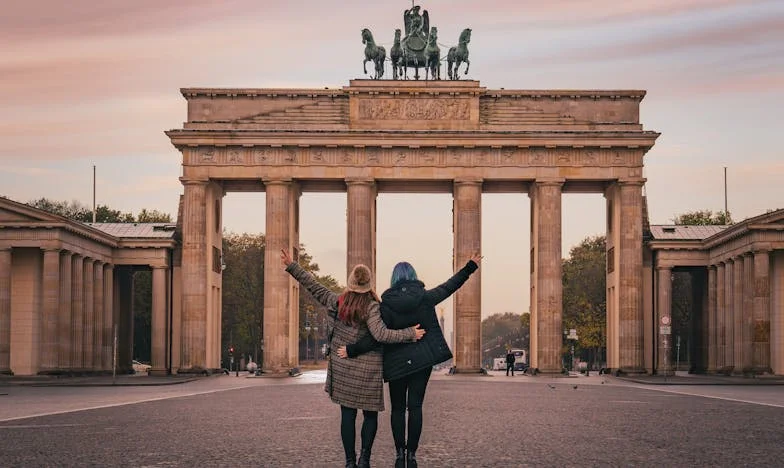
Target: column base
(631,371)
(6,372)
(195,371)
(467,371)
(158,372)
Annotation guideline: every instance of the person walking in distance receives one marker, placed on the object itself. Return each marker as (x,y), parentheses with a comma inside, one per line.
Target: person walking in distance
(354,384)
(407,366)
(510,360)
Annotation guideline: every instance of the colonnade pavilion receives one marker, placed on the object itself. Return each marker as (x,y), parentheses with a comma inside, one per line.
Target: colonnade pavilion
(65,287)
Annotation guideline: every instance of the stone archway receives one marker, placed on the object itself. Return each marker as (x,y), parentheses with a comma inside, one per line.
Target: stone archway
(373,136)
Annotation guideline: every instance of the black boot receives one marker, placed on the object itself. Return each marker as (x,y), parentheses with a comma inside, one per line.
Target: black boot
(351,460)
(364,458)
(400,458)
(411,459)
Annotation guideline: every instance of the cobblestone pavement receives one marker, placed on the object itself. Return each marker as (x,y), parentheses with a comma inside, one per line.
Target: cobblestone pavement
(469,422)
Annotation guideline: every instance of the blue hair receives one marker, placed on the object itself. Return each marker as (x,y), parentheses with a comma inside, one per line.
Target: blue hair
(403,271)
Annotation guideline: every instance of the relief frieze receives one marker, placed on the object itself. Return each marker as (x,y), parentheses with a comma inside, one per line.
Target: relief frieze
(414,109)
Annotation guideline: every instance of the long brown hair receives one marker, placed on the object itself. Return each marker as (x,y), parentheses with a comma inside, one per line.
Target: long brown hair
(353,307)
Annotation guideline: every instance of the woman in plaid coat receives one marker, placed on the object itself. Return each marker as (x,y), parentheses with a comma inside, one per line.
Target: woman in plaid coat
(354,383)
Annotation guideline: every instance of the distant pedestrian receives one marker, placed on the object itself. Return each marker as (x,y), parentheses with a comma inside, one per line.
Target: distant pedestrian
(354,383)
(510,360)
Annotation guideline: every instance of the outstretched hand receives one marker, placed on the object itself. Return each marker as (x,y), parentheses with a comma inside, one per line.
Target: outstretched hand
(420,332)
(477,258)
(285,258)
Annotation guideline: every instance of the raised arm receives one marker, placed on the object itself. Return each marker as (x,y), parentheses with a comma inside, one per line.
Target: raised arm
(442,291)
(323,295)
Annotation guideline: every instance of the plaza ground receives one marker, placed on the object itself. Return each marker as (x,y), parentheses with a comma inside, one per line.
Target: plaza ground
(494,421)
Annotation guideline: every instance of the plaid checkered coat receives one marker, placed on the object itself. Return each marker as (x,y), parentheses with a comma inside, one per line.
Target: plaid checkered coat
(353,382)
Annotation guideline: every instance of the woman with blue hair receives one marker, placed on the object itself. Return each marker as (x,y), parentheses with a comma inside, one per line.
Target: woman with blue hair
(407,366)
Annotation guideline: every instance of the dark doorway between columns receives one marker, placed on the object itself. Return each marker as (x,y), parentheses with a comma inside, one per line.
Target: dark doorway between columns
(688,342)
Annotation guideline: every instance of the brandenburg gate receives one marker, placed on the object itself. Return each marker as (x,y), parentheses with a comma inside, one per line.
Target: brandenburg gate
(376,136)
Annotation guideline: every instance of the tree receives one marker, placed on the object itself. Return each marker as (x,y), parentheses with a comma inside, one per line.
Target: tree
(585,296)
(503,331)
(703,218)
(77,211)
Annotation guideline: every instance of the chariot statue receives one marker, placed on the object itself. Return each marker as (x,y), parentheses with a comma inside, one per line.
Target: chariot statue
(418,48)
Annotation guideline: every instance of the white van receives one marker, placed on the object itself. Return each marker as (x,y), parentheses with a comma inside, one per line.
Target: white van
(499,363)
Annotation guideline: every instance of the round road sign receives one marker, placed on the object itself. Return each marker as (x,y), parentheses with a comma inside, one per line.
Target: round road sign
(665,320)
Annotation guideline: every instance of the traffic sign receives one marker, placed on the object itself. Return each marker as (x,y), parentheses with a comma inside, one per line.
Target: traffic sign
(665,320)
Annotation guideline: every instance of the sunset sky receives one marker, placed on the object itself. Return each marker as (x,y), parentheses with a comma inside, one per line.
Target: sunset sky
(97,82)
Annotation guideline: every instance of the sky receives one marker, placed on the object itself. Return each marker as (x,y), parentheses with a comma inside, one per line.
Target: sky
(88,83)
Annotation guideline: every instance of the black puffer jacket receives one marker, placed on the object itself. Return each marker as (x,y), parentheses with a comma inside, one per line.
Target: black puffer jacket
(407,304)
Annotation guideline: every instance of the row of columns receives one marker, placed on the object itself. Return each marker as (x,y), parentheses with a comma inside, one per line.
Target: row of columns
(739,323)
(76,313)
(280,291)
(81,300)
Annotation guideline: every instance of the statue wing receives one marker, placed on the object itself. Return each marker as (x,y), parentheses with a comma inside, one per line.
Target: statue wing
(407,21)
(425,22)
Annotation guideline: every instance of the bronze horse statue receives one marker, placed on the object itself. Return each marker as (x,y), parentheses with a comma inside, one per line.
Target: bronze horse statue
(373,53)
(396,57)
(433,56)
(459,54)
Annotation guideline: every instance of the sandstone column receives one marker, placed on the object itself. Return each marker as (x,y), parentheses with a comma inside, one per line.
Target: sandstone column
(737,314)
(64,350)
(193,355)
(548,267)
(361,228)
(630,312)
(761,343)
(467,227)
(51,306)
(88,328)
(664,303)
(108,318)
(711,325)
(98,303)
(777,319)
(720,311)
(729,306)
(77,312)
(5,311)
(277,306)
(158,323)
(748,311)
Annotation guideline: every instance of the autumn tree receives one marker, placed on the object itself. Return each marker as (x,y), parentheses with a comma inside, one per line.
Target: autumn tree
(585,296)
(503,331)
(703,218)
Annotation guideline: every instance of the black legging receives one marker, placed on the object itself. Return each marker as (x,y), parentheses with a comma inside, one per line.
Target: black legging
(413,387)
(348,431)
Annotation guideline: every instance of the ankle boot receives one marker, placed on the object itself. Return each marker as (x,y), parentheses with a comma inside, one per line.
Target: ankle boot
(411,460)
(400,458)
(364,458)
(351,460)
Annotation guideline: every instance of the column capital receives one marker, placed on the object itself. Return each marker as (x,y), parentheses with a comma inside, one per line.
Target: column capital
(360,181)
(664,267)
(761,248)
(158,267)
(276,181)
(188,181)
(711,267)
(639,182)
(51,249)
(550,181)
(469,181)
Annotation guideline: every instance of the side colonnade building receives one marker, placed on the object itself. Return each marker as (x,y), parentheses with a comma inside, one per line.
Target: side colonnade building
(66,287)
(737,286)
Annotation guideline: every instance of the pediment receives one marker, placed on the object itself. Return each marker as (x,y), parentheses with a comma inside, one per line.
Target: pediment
(772,217)
(14,212)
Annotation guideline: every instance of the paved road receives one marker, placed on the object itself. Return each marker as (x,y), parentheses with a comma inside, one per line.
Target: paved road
(469,421)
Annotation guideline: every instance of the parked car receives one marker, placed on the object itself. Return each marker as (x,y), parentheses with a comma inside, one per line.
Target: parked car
(140,367)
